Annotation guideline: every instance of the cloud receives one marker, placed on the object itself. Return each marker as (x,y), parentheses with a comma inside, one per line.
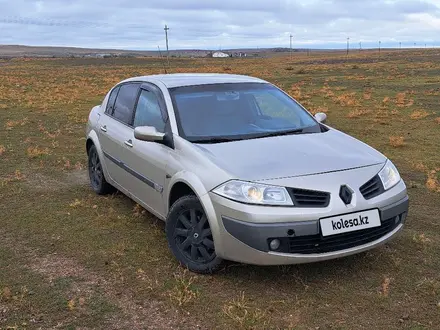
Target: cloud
(209,24)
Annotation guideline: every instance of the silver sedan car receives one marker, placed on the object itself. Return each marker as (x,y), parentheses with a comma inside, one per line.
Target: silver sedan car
(241,171)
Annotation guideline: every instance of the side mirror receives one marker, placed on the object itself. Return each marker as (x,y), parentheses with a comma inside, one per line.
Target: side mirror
(321,117)
(148,133)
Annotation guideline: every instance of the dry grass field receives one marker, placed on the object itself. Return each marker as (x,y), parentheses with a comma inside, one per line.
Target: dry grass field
(70,259)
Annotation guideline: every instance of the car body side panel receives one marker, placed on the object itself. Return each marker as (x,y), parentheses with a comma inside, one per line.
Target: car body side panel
(185,157)
(187,165)
(188,178)
(91,133)
(148,161)
(113,148)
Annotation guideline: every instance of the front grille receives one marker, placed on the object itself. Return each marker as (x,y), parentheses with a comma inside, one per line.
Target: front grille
(322,244)
(372,188)
(309,198)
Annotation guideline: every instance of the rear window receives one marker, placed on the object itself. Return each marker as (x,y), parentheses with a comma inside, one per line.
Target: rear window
(111,101)
(125,101)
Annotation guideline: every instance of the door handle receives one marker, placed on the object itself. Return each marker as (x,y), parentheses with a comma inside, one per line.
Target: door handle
(104,128)
(129,143)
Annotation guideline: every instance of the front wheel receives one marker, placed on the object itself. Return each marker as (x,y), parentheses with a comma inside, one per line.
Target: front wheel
(189,236)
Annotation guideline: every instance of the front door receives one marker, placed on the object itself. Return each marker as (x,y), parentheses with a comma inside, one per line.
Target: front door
(148,160)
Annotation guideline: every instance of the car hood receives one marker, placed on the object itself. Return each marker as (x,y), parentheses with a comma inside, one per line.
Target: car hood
(291,155)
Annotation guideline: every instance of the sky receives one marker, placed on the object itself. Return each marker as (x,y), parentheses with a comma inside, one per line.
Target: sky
(213,24)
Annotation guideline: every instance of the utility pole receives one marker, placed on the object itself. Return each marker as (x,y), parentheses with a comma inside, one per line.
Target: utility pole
(166,28)
(379,45)
(360,45)
(291,36)
(348,44)
(400,45)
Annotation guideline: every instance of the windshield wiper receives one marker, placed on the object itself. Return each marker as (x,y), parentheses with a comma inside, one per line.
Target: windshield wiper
(259,136)
(280,133)
(214,140)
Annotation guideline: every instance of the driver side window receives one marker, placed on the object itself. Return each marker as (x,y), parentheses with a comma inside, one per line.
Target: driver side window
(148,112)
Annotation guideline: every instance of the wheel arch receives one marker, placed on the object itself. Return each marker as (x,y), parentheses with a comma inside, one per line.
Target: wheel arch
(92,139)
(89,143)
(182,184)
(178,190)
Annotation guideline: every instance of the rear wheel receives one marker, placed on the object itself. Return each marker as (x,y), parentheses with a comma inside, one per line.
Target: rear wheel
(96,174)
(189,236)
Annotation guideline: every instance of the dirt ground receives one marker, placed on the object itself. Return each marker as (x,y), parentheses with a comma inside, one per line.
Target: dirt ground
(70,259)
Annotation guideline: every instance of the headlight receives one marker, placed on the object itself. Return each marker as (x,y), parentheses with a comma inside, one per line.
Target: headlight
(389,175)
(254,193)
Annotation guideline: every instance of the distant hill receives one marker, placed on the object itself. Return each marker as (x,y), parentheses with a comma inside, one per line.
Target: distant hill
(10,51)
(36,51)
(32,51)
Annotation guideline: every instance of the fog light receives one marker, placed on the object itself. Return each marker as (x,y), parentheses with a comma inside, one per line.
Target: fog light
(403,217)
(274,244)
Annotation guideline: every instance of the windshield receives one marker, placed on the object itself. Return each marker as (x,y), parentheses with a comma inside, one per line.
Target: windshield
(237,111)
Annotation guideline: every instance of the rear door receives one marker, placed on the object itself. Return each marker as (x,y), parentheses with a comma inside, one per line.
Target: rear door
(116,131)
(148,160)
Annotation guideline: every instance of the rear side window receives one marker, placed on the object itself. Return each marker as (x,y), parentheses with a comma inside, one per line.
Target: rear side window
(111,101)
(125,102)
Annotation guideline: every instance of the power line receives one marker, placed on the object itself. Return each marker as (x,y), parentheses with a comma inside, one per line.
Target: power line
(48,22)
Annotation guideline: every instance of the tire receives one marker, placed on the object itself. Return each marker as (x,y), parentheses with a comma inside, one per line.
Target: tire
(96,174)
(190,238)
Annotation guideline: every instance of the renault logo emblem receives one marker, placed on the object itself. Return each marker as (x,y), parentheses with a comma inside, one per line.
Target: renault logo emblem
(345,194)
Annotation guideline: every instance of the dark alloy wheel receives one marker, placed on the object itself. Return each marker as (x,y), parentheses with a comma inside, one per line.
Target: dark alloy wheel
(96,174)
(190,237)
(193,236)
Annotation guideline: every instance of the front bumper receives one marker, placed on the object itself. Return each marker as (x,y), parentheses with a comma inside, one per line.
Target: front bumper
(243,236)
(305,237)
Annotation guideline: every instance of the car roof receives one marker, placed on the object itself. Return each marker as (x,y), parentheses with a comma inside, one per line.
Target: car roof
(191,79)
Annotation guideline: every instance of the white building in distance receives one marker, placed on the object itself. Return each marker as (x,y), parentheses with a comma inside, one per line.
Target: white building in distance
(219,54)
